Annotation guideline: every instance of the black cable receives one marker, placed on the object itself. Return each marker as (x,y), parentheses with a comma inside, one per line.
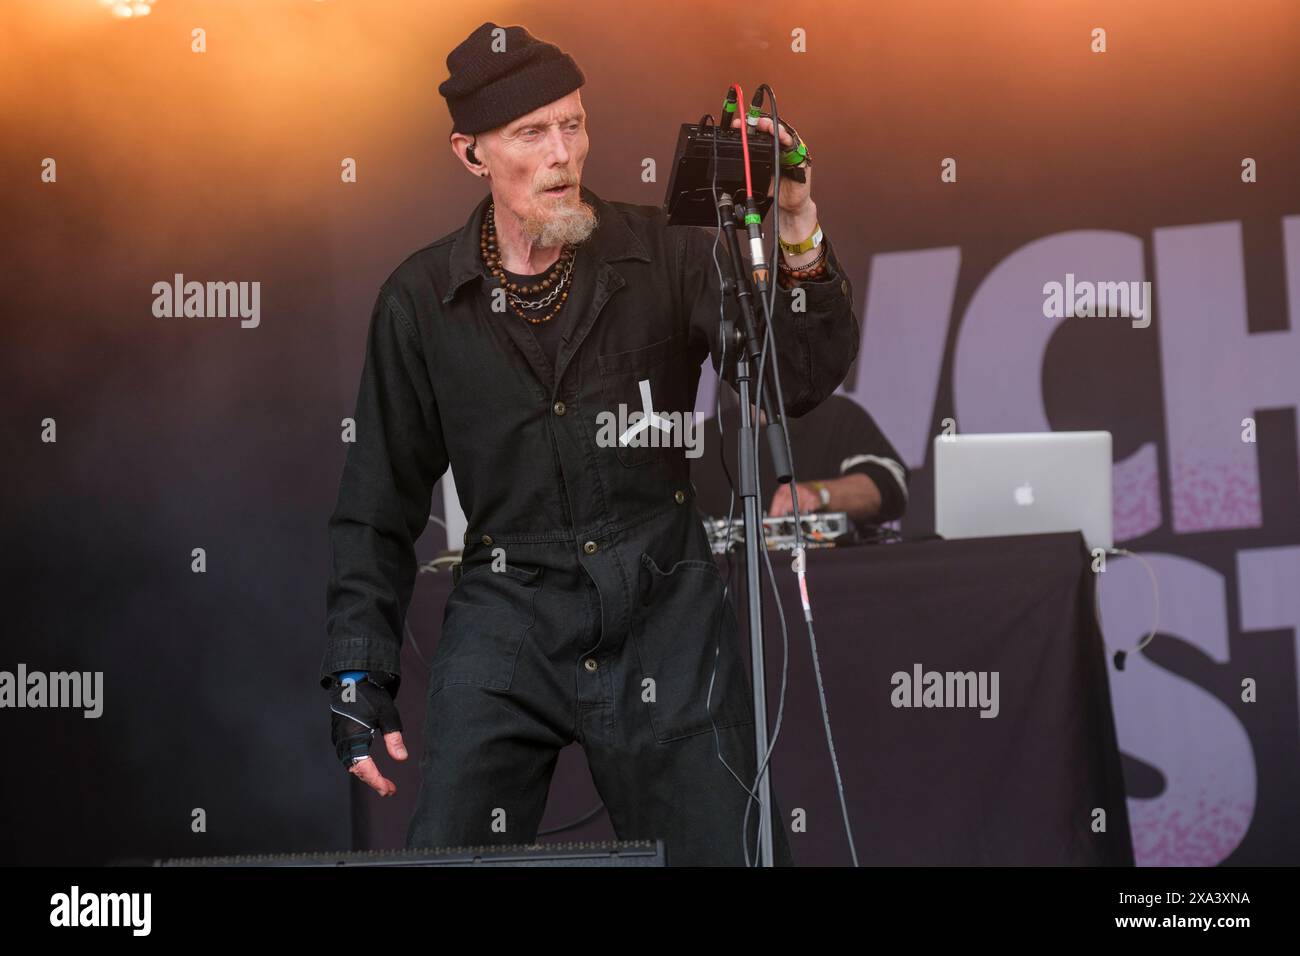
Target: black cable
(769,337)
(750,790)
(708,120)
(769,310)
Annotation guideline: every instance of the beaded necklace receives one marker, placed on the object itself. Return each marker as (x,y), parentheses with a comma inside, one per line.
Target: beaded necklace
(556,279)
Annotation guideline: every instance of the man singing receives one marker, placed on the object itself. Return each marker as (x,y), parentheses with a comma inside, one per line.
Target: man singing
(586,607)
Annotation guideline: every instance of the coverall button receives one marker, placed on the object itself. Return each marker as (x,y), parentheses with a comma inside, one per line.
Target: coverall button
(487,539)
(558,408)
(590,663)
(679,496)
(589,547)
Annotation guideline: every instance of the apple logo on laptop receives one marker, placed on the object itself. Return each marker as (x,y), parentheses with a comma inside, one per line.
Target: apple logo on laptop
(1025,494)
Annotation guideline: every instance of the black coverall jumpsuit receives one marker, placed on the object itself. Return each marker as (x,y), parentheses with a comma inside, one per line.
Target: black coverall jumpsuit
(602,626)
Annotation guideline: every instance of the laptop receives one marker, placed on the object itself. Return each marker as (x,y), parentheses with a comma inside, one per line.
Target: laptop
(1025,483)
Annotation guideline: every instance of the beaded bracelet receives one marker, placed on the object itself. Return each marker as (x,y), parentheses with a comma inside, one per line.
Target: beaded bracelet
(791,280)
(788,277)
(813,263)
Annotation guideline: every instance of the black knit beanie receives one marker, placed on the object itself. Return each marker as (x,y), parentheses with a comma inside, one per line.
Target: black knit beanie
(495,80)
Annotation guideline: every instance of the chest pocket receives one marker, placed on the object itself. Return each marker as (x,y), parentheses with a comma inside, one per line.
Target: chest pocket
(652,377)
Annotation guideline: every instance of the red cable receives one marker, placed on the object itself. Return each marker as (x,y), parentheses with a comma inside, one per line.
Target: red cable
(744,137)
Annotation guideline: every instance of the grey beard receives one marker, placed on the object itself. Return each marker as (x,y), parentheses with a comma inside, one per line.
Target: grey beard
(569,226)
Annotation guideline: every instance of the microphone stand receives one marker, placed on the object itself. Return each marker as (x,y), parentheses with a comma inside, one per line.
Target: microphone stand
(749,348)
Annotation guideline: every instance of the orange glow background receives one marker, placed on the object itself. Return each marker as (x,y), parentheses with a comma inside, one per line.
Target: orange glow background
(163,151)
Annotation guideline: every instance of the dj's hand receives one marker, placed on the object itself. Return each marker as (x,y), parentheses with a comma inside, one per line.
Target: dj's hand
(357,712)
(795,195)
(809,501)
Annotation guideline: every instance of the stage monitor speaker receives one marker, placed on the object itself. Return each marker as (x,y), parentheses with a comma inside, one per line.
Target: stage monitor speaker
(604,853)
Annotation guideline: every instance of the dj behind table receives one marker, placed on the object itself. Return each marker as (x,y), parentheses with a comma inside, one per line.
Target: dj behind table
(843,463)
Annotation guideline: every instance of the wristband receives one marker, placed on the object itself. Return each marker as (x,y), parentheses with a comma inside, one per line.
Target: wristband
(794,248)
(818,263)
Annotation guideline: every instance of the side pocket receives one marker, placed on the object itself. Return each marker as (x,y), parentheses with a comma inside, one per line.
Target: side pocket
(679,619)
(486,621)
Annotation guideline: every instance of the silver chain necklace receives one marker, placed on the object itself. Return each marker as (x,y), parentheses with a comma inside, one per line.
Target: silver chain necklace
(516,299)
